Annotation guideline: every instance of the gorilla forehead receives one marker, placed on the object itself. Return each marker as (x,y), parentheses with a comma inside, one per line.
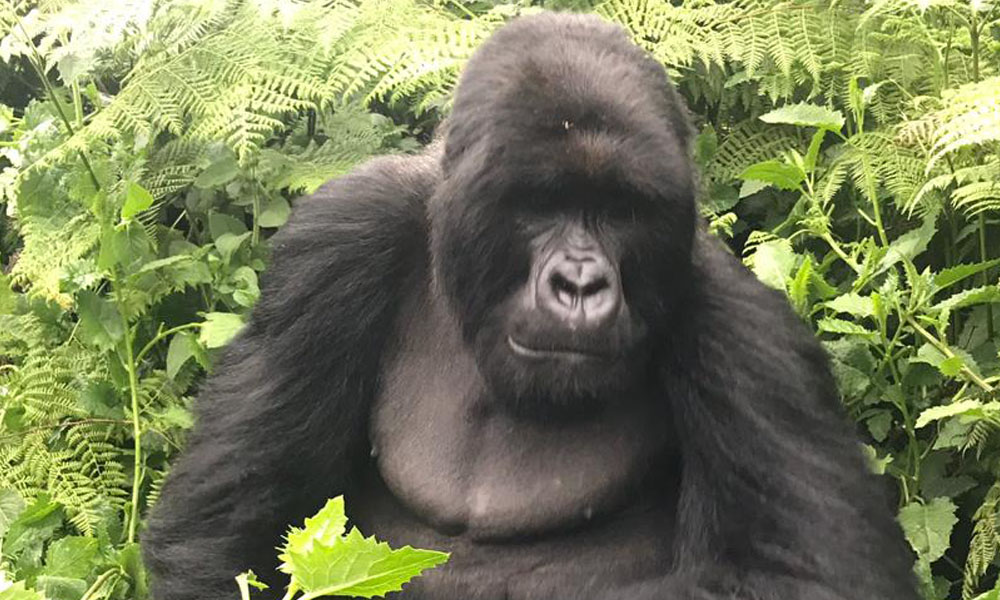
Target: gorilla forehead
(558,98)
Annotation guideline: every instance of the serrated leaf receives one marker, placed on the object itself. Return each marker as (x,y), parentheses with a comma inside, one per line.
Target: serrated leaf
(773,262)
(775,172)
(936,413)
(928,527)
(100,323)
(853,304)
(137,199)
(324,562)
(953,275)
(219,328)
(841,326)
(911,244)
(806,115)
(980,295)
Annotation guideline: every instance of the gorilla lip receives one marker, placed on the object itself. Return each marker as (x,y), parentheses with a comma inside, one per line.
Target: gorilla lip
(522,350)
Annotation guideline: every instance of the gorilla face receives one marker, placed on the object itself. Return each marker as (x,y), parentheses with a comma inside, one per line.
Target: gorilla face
(562,292)
(561,232)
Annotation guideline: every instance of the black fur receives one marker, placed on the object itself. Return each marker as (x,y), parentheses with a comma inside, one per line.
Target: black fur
(756,487)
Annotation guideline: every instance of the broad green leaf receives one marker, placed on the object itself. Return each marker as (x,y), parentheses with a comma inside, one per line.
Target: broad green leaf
(57,587)
(220,172)
(219,328)
(953,275)
(183,346)
(806,115)
(11,506)
(752,186)
(275,213)
(247,291)
(936,413)
(17,591)
(853,304)
(928,527)
(221,223)
(100,322)
(773,262)
(229,243)
(71,557)
(780,174)
(322,561)
(878,425)
(34,526)
(137,199)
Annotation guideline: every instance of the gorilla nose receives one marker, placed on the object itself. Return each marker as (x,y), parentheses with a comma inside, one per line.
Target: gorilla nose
(581,289)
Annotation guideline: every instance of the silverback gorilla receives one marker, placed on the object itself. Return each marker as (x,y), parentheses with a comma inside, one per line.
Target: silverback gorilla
(522,347)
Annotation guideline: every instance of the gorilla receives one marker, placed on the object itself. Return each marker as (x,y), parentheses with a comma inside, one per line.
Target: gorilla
(523,347)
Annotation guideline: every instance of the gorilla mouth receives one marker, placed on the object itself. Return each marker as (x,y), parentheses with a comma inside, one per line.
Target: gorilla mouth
(575,354)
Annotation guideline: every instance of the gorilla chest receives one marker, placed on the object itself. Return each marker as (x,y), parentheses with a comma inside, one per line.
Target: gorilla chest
(461,466)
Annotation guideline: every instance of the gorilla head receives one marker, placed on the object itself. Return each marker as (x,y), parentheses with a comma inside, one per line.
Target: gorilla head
(562,229)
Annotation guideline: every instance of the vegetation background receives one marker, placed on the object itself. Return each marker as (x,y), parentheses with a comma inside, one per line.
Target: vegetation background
(850,153)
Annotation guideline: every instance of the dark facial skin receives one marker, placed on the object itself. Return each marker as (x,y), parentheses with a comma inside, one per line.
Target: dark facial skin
(566,340)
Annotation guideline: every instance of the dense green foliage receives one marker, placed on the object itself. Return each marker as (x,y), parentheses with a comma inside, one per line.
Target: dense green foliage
(850,152)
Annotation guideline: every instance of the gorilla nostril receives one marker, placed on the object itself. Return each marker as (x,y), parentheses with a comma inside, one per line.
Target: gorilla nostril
(566,292)
(595,287)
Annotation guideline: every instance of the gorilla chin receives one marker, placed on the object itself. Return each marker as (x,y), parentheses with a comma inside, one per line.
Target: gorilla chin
(543,371)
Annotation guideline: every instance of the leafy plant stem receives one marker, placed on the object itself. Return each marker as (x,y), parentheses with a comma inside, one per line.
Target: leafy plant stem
(103,578)
(946,351)
(129,362)
(37,63)
(162,336)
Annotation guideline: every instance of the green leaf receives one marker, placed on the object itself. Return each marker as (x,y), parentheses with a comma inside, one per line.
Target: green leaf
(11,506)
(980,295)
(806,115)
(911,244)
(219,328)
(183,346)
(751,187)
(853,304)
(17,591)
(937,413)
(275,213)
(843,327)
(953,275)
(221,223)
(780,174)
(812,154)
(100,323)
(928,527)
(324,562)
(71,557)
(137,199)
(220,172)
(798,289)
(773,262)
(229,243)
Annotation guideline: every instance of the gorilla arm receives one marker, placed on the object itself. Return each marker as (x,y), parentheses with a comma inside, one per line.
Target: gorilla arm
(281,421)
(776,503)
